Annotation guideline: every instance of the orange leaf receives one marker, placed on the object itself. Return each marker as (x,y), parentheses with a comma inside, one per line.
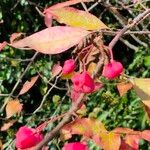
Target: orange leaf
(120,130)
(65,4)
(1,145)
(13,107)
(53,40)
(77,18)
(28,84)
(124,87)
(80,126)
(7,125)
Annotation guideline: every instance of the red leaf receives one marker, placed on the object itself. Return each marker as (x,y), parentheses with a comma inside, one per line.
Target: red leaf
(28,84)
(2,45)
(125,146)
(65,4)
(53,40)
(146,135)
(48,19)
(133,141)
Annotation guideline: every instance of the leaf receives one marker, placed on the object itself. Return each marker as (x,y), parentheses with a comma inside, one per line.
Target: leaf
(124,87)
(146,135)
(133,141)
(28,84)
(48,20)
(7,125)
(56,70)
(52,40)
(2,45)
(78,127)
(91,68)
(65,4)
(110,141)
(77,18)
(1,145)
(147,61)
(15,36)
(120,130)
(13,107)
(142,88)
(125,146)
(68,76)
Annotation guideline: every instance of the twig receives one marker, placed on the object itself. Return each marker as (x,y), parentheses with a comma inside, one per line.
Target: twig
(4,95)
(17,83)
(112,33)
(45,96)
(136,21)
(94,5)
(123,21)
(40,13)
(48,81)
(127,43)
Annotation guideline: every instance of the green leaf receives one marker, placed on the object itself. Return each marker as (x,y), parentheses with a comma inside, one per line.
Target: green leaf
(147,61)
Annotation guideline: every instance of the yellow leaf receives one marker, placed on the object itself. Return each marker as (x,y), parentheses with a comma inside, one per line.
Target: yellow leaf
(13,107)
(68,76)
(110,141)
(77,18)
(91,68)
(142,87)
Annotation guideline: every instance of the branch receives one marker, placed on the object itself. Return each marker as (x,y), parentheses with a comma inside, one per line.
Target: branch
(135,22)
(17,83)
(49,136)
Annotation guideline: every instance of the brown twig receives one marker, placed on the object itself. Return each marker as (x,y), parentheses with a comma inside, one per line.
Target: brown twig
(112,33)
(135,22)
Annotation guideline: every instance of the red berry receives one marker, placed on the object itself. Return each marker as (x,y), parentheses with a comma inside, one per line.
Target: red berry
(68,67)
(112,69)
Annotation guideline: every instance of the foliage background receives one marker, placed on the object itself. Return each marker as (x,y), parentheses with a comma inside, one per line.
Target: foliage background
(106,105)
